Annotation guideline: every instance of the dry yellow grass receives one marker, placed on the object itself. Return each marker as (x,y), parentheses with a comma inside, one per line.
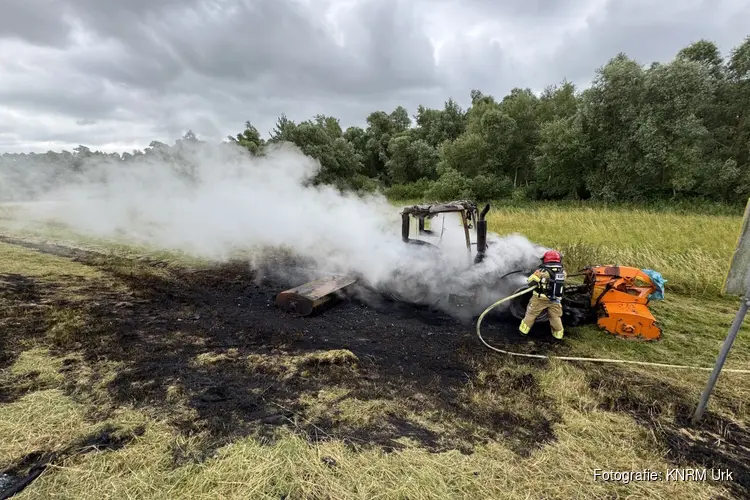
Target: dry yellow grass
(692,251)
(292,468)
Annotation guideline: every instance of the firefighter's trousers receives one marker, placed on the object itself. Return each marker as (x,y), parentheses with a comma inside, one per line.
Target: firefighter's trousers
(537,305)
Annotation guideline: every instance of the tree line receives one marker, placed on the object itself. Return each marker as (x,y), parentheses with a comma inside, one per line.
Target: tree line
(667,131)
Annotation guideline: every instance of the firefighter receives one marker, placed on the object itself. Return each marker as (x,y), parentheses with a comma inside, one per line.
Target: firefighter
(549,279)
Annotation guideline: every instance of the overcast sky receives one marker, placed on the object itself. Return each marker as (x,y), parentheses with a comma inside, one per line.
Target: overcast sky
(116,74)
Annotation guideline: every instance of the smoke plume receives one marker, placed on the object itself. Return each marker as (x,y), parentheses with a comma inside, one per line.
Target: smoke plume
(218,201)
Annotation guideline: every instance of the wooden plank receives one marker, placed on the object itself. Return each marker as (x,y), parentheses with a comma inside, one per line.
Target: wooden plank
(305,298)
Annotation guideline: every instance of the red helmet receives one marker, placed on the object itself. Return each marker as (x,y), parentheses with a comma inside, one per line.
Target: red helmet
(552,256)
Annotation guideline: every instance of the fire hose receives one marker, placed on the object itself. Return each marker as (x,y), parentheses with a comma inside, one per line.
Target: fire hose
(572,358)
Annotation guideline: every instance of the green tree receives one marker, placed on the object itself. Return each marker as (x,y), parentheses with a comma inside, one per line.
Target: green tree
(562,160)
(250,139)
(736,99)
(321,138)
(522,106)
(437,126)
(410,160)
(610,117)
(705,53)
(558,101)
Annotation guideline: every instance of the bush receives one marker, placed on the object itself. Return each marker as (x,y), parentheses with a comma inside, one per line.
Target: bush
(450,186)
(490,187)
(520,194)
(364,184)
(412,191)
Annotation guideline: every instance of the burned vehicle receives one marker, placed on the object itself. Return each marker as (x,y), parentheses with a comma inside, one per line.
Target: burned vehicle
(470,219)
(453,292)
(436,232)
(404,287)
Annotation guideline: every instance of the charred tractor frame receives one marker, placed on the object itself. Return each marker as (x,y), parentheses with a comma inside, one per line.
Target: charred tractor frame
(312,296)
(471,218)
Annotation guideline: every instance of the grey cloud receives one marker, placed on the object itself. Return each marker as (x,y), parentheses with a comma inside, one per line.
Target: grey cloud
(646,35)
(468,64)
(60,134)
(279,44)
(41,22)
(128,19)
(89,103)
(139,29)
(157,68)
(66,137)
(534,10)
(391,40)
(247,42)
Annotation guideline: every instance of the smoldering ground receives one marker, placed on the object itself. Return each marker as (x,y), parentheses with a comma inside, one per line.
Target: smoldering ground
(219,202)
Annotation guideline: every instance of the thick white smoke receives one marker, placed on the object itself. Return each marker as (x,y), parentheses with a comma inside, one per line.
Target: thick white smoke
(218,200)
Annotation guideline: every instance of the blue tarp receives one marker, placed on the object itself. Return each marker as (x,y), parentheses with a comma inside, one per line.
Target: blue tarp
(659,281)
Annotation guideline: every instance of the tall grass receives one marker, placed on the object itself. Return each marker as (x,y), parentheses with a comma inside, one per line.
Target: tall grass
(685,207)
(693,252)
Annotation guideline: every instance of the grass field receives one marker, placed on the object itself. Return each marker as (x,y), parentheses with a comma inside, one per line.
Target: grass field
(499,428)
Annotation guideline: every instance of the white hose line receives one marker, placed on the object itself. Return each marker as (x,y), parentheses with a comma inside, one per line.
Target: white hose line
(571,358)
